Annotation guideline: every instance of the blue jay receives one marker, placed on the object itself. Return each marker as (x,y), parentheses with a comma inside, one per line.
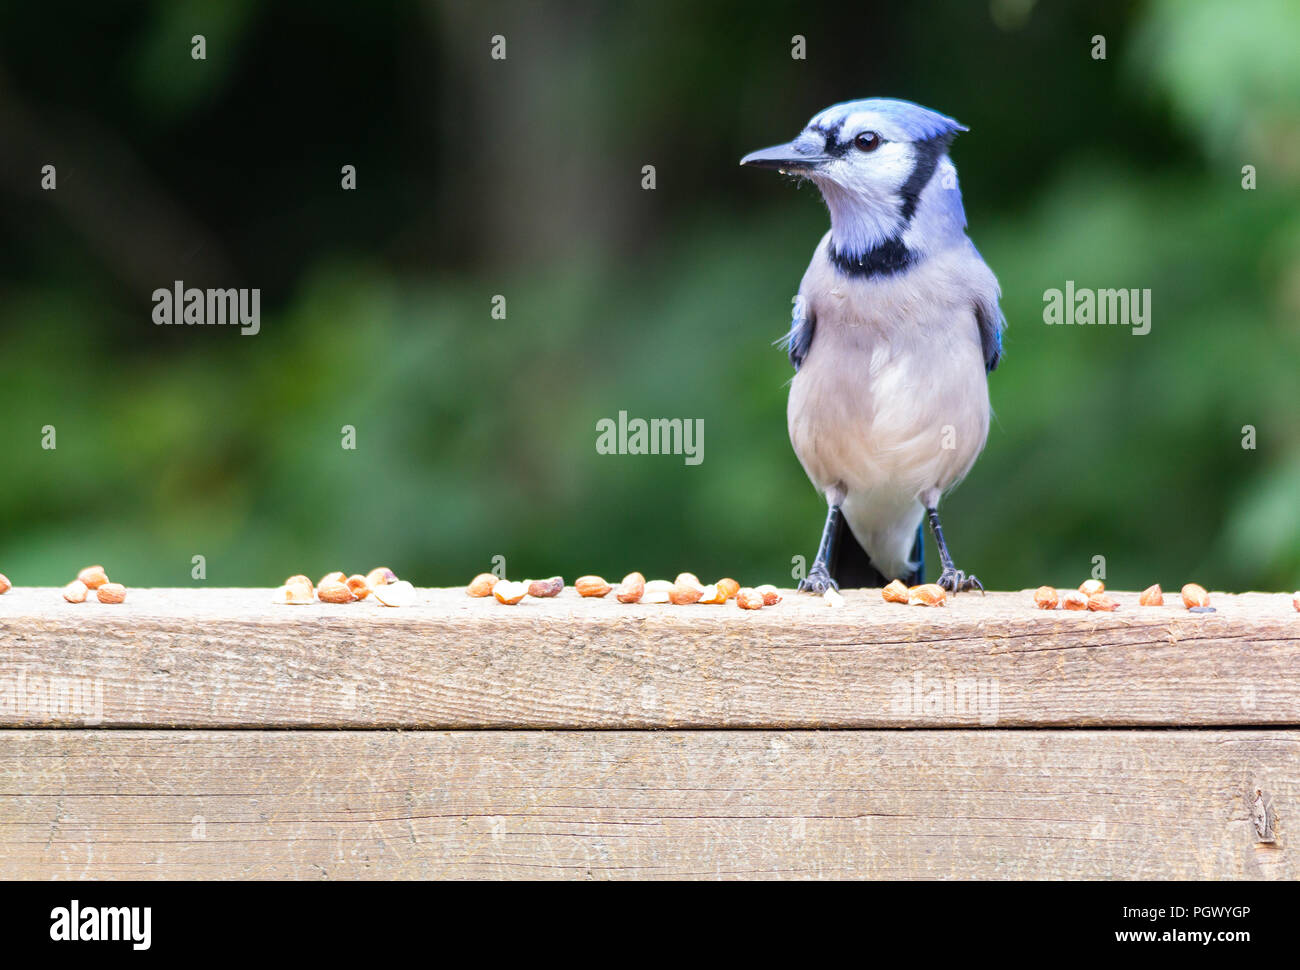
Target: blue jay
(896,326)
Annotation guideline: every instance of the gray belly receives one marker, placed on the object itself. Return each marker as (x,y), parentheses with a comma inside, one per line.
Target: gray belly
(893,418)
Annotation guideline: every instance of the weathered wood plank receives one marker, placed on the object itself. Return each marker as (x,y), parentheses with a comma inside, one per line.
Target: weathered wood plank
(756,804)
(228,658)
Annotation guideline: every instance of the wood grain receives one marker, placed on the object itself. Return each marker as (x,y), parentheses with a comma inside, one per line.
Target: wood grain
(228,658)
(610,805)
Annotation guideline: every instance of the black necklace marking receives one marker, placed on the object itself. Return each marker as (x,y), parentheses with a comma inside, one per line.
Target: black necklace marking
(890,257)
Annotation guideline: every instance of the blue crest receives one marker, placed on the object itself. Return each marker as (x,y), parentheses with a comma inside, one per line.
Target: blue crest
(896,120)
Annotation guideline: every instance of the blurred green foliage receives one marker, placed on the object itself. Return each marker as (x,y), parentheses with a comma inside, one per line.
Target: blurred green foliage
(476,437)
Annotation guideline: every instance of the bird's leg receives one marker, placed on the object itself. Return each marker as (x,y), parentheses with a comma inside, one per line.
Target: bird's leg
(819,577)
(952,579)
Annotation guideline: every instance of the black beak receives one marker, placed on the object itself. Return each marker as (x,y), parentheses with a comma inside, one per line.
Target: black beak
(786,158)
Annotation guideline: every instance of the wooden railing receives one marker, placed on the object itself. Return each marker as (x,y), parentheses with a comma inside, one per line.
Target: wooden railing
(211,734)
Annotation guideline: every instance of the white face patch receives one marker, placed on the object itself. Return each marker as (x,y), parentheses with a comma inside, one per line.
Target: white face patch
(863,192)
(881,173)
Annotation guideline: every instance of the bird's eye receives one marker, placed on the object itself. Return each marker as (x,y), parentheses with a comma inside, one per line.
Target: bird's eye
(868,141)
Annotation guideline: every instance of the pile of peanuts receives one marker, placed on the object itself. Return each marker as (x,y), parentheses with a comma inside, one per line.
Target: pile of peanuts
(94,579)
(381,585)
(685,590)
(1091,595)
(927,594)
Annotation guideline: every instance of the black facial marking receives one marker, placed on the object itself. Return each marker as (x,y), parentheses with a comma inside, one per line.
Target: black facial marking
(890,257)
(928,154)
(833,146)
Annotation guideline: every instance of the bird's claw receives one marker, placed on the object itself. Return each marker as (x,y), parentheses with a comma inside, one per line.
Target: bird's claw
(956,581)
(818,581)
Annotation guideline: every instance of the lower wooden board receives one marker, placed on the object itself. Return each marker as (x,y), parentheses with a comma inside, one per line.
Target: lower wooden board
(1027,804)
(224,658)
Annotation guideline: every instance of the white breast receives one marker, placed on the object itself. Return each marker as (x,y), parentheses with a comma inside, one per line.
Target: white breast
(891,401)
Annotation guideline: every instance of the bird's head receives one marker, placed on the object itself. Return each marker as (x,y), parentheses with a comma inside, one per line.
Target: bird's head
(878,163)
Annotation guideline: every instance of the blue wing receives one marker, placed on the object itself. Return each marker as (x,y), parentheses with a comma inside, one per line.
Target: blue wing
(799,339)
(991,323)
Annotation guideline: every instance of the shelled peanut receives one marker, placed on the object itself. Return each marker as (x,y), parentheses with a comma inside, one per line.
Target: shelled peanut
(631,589)
(895,592)
(591,586)
(1046,598)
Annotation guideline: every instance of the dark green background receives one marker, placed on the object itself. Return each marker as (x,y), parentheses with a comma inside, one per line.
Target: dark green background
(522,178)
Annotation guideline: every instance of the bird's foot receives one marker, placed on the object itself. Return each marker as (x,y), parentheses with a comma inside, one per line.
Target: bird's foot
(818,581)
(956,581)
